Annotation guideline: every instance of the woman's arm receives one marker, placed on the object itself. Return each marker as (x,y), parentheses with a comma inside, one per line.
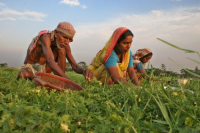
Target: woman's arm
(113,71)
(143,73)
(132,75)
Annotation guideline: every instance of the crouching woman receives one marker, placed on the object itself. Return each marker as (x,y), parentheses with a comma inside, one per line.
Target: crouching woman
(114,61)
(140,58)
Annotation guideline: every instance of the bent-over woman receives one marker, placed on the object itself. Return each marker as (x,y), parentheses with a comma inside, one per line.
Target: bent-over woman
(140,58)
(115,59)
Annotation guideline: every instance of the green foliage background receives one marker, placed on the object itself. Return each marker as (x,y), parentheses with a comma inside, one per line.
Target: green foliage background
(106,109)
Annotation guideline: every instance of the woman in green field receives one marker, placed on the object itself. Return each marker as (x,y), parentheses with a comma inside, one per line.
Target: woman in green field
(115,59)
(140,58)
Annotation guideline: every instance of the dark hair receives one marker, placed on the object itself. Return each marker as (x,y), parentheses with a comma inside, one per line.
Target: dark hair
(147,55)
(124,35)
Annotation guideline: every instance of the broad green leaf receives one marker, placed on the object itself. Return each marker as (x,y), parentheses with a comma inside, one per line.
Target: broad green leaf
(164,112)
(177,114)
(161,122)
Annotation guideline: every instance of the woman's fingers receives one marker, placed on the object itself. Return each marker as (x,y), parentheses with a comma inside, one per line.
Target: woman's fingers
(88,75)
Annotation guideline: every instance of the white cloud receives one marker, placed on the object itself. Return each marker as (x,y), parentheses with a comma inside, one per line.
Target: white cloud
(2,4)
(71,2)
(30,15)
(83,6)
(156,13)
(10,12)
(7,18)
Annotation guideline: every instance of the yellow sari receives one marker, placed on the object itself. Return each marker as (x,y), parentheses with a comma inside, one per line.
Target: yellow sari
(97,66)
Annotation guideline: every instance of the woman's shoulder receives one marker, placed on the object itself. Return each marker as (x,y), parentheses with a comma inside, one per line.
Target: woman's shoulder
(113,55)
(112,59)
(140,66)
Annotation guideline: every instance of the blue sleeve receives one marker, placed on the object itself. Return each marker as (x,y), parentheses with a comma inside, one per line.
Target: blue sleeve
(112,60)
(139,66)
(130,64)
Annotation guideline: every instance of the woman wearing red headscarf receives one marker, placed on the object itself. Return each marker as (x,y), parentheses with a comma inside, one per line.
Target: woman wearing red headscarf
(115,59)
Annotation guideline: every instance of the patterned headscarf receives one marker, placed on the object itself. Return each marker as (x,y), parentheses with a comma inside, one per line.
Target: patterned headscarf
(139,54)
(66,28)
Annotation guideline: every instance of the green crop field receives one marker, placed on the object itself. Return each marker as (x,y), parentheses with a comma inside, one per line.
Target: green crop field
(98,109)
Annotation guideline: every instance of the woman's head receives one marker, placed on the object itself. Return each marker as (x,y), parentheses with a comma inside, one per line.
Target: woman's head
(124,42)
(146,58)
(124,35)
(143,55)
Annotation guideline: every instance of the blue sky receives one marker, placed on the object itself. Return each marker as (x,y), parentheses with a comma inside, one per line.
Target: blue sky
(176,21)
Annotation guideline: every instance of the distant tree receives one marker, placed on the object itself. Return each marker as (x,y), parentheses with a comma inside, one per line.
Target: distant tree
(163,67)
(171,73)
(196,70)
(175,74)
(3,65)
(186,74)
(183,72)
(68,65)
(157,71)
(83,64)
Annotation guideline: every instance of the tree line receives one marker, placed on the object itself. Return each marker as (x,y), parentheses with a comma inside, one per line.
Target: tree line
(163,72)
(3,65)
(156,71)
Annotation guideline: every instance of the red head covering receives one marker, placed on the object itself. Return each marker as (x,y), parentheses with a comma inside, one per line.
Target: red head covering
(141,53)
(66,28)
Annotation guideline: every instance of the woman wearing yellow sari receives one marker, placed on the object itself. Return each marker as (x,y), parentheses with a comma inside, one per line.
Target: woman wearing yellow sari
(114,61)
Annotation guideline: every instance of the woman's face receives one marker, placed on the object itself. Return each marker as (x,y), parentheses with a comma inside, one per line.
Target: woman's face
(124,45)
(145,59)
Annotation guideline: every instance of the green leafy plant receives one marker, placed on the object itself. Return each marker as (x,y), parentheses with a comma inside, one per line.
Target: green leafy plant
(109,108)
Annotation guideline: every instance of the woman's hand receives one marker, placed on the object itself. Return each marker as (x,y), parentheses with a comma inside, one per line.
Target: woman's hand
(88,74)
(132,76)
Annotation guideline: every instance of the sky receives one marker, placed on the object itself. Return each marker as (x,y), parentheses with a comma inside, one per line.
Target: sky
(175,21)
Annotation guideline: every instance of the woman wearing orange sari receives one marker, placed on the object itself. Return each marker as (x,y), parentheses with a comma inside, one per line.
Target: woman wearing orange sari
(115,59)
